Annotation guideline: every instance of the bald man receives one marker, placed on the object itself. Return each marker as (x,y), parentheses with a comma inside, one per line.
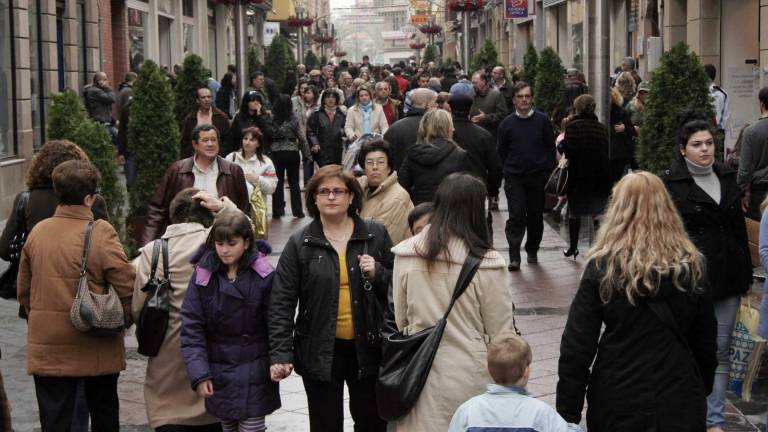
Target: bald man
(402,133)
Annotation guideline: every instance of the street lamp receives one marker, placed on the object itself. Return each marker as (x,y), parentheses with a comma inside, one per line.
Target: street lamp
(300,15)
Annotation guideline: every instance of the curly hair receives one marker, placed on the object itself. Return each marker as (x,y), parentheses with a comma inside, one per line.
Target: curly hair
(50,155)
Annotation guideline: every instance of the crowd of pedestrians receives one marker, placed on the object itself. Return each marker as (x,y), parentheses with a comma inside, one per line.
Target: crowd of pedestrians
(402,168)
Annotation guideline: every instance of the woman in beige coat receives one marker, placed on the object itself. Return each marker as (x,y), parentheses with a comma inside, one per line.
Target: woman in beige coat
(383,197)
(171,403)
(365,116)
(424,276)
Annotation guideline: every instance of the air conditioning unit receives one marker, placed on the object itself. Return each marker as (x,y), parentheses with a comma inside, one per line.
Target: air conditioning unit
(654,52)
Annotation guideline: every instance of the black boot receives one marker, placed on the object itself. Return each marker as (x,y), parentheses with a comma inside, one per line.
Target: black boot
(574,225)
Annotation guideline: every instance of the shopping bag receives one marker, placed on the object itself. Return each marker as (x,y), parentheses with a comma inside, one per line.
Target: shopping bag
(259,212)
(746,351)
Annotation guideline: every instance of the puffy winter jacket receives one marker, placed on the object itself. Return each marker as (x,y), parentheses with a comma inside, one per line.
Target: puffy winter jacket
(426,165)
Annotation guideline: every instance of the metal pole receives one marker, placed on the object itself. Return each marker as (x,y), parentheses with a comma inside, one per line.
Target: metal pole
(300,50)
(598,56)
(465,40)
(241,58)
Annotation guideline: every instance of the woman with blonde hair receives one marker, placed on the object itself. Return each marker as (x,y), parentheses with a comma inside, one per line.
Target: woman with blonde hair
(434,156)
(645,283)
(626,85)
(621,147)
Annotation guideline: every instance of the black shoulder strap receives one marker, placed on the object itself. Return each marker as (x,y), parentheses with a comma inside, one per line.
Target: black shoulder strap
(86,248)
(166,261)
(468,270)
(155,256)
(21,211)
(368,231)
(661,309)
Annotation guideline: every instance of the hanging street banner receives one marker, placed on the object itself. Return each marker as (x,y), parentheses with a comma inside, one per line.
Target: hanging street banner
(515,9)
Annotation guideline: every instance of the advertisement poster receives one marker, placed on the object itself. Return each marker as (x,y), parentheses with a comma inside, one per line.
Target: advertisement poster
(515,9)
(271,29)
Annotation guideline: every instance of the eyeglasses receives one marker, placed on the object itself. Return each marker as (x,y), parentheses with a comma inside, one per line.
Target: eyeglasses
(334,191)
(374,163)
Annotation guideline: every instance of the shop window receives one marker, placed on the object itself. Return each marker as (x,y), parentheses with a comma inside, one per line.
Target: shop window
(137,37)
(36,74)
(188,8)
(7,82)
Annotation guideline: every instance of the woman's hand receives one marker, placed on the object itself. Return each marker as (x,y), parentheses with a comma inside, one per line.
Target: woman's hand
(315,148)
(251,177)
(205,389)
(367,265)
(209,201)
(278,371)
(619,128)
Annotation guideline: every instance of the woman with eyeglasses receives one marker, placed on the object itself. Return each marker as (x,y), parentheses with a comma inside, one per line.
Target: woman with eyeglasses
(709,201)
(338,269)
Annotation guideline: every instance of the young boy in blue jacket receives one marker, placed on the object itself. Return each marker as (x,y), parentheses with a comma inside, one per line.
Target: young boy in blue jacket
(506,405)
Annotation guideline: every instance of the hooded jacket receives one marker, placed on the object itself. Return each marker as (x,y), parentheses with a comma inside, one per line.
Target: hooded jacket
(402,135)
(426,165)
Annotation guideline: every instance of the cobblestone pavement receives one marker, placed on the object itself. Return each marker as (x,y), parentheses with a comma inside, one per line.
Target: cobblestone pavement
(542,294)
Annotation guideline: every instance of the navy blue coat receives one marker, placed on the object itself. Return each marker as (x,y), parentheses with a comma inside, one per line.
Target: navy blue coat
(224,336)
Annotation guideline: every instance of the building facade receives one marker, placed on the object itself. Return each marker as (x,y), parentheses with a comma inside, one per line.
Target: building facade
(52,45)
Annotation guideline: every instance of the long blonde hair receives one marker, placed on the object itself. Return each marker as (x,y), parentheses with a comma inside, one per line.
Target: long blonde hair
(436,123)
(643,240)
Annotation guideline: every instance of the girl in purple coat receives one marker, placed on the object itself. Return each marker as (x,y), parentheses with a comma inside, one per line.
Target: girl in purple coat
(224,326)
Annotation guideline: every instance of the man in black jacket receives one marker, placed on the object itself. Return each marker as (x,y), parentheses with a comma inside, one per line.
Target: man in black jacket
(402,134)
(481,151)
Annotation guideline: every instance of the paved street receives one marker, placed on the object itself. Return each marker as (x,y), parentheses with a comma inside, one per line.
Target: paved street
(542,294)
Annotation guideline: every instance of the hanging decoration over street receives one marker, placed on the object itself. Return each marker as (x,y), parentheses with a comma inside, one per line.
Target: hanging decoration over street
(417,45)
(340,54)
(300,22)
(323,38)
(430,28)
(465,5)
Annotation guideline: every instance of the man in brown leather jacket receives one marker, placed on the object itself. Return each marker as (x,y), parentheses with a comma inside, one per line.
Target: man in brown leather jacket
(205,170)
(206,112)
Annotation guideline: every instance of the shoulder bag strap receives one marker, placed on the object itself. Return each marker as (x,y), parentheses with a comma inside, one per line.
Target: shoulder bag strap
(155,255)
(468,270)
(166,260)
(86,249)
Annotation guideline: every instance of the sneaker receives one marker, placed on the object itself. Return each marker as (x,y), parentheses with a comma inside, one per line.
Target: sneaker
(513,266)
(533,258)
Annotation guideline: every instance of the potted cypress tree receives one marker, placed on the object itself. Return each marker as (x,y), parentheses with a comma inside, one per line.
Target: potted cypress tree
(68,120)
(153,139)
(530,65)
(679,84)
(310,60)
(276,62)
(486,58)
(430,54)
(549,81)
(191,78)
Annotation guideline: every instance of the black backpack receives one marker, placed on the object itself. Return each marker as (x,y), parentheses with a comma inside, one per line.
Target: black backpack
(153,319)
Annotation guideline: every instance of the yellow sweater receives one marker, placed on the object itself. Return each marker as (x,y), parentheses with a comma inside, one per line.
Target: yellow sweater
(345,328)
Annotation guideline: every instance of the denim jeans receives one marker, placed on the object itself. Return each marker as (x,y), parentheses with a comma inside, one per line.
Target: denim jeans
(725,313)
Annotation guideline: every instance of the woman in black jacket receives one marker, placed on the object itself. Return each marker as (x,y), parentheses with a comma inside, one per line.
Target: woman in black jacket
(434,157)
(585,146)
(652,367)
(325,130)
(338,269)
(621,148)
(709,201)
(226,95)
(252,114)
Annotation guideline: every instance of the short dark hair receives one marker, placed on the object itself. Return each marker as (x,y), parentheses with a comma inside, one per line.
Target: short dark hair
(73,180)
(331,171)
(197,92)
(255,74)
(205,127)
(762,96)
(373,146)
(520,86)
(711,71)
(584,105)
(330,94)
(184,208)
(365,57)
(418,212)
(691,122)
(228,225)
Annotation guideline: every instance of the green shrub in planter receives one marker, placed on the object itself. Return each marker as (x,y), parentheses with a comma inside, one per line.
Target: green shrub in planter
(530,65)
(679,84)
(430,54)
(310,60)
(549,81)
(153,134)
(191,78)
(486,58)
(68,120)
(254,64)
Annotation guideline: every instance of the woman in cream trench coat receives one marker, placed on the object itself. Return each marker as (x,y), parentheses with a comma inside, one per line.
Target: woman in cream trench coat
(169,398)
(421,294)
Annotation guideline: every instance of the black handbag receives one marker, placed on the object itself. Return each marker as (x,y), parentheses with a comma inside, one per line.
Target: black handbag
(153,319)
(407,359)
(8,278)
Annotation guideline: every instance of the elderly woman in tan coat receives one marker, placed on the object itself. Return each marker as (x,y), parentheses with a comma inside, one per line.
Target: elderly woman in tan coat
(58,355)
(171,403)
(383,197)
(424,276)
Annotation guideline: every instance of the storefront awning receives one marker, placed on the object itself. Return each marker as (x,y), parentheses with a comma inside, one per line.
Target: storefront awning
(281,10)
